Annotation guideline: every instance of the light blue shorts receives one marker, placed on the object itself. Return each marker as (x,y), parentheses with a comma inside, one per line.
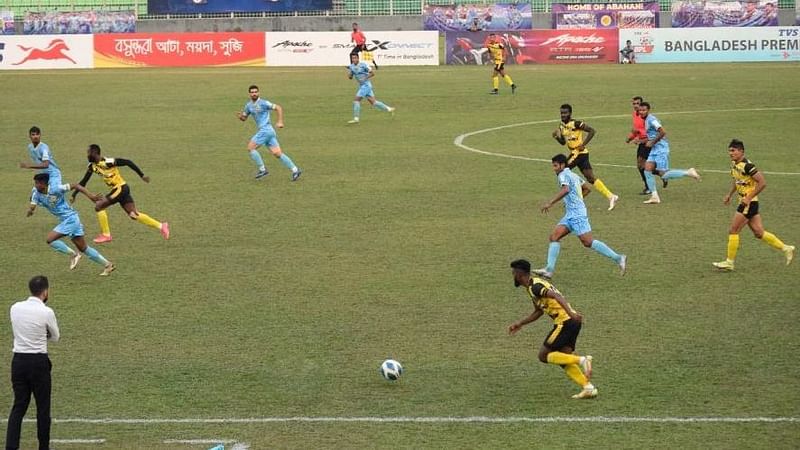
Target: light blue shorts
(71,226)
(365,91)
(266,137)
(577,225)
(660,155)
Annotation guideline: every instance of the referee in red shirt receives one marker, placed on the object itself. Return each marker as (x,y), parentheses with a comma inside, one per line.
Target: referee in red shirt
(360,41)
(639,136)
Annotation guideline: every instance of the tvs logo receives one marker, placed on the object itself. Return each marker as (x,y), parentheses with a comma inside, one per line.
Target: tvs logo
(570,39)
(54,51)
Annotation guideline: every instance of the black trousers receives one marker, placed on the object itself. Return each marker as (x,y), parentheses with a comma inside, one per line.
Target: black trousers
(30,374)
(358,48)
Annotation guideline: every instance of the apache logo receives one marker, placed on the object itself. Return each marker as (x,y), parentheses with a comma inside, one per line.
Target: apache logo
(378,45)
(54,50)
(570,39)
(288,43)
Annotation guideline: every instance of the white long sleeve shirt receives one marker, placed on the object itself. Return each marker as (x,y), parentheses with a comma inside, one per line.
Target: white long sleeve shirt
(33,324)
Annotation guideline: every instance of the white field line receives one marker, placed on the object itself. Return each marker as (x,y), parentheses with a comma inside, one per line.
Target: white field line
(78,441)
(433,420)
(459,140)
(200,441)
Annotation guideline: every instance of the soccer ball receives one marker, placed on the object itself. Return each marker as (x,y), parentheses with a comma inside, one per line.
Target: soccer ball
(391,370)
(626,61)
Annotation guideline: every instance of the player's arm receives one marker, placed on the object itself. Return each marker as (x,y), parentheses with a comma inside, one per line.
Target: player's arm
(279,112)
(32,205)
(119,162)
(586,189)
(83,182)
(561,194)
(559,137)
(243,115)
(659,136)
(727,198)
(761,183)
(563,302)
(590,132)
(79,188)
(533,317)
(44,165)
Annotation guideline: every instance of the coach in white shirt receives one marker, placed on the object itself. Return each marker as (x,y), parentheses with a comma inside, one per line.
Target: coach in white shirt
(33,324)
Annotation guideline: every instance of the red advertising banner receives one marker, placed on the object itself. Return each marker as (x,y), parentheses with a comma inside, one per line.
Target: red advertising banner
(574,46)
(179,49)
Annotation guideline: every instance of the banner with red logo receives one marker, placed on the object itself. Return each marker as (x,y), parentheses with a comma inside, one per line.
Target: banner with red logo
(46,52)
(179,49)
(535,47)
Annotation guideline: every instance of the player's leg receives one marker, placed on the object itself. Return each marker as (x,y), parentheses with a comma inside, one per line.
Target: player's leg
(129,206)
(102,216)
(650,178)
(770,239)
(554,249)
(356,109)
(601,247)
(55,242)
(94,255)
(507,79)
(641,156)
(379,104)
(255,155)
(588,172)
(672,174)
(275,149)
(495,79)
(558,349)
(737,223)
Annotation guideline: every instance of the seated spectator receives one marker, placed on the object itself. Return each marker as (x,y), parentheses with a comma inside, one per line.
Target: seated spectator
(628,56)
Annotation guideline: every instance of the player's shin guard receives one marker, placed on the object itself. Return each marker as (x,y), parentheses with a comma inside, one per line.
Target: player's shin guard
(508,80)
(575,374)
(61,247)
(650,179)
(772,240)
(733,247)
(356,110)
(605,250)
(256,157)
(552,256)
(562,359)
(495,82)
(149,221)
(382,106)
(286,161)
(601,188)
(102,219)
(674,173)
(95,256)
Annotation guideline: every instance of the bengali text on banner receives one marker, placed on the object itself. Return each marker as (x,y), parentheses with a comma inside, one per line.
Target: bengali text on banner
(573,16)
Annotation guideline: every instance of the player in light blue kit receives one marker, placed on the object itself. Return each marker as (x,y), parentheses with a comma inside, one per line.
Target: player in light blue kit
(658,159)
(260,109)
(362,73)
(575,220)
(43,160)
(54,200)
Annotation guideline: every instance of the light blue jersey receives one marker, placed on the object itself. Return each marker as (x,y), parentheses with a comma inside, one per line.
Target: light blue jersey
(39,155)
(573,201)
(55,201)
(360,73)
(260,111)
(651,125)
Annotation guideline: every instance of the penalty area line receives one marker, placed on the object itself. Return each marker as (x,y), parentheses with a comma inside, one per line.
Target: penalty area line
(433,420)
(459,140)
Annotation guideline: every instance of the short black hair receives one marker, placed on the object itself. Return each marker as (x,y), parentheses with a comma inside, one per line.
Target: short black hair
(38,284)
(42,178)
(567,106)
(34,129)
(645,104)
(253,86)
(638,98)
(736,143)
(521,264)
(94,148)
(559,158)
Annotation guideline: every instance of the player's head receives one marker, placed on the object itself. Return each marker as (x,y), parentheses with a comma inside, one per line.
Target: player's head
(35,134)
(559,163)
(566,112)
(492,37)
(93,153)
(521,270)
(253,91)
(628,43)
(736,150)
(355,26)
(39,287)
(644,109)
(636,101)
(41,181)
(354,58)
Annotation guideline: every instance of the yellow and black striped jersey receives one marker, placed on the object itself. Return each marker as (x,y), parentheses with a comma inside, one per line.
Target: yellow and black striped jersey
(107,168)
(497,51)
(572,132)
(549,305)
(742,173)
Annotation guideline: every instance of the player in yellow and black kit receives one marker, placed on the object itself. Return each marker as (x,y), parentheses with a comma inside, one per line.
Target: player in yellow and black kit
(498,52)
(576,134)
(108,168)
(748,182)
(559,345)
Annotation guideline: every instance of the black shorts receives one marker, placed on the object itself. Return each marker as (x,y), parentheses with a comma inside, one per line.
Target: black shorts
(499,67)
(563,335)
(121,195)
(749,211)
(642,151)
(581,160)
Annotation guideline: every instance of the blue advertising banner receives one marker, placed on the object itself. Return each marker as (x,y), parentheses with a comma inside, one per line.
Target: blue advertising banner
(467,17)
(751,13)
(226,6)
(6,22)
(79,22)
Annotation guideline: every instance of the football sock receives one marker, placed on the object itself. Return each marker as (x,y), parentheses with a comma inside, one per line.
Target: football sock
(650,179)
(773,240)
(149,221)
(674,173)
(256,157)
(641,172)
(575,374)
(733,246)
(601,188)
(562,359)
(495,82)
(102,218)
(552,256)
(508,79)
(286,161)
(382,106)
(62,247)
(356,109)
(95,256)
(603,249)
